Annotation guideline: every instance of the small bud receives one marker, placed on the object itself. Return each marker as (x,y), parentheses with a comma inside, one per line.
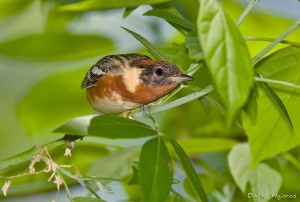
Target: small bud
(104,189)
(31,170)
(68,152)
(5,187)
(35,159)
(58,181)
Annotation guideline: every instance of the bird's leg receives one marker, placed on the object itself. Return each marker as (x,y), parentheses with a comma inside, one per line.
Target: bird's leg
(128,114)
(145,109)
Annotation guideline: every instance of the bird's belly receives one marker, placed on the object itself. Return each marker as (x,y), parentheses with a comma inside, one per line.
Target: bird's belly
(112,105)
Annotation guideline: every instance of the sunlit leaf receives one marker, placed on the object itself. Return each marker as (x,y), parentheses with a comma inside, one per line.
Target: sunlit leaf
(272,133)
(106,126)
(226,56)
(151,47)
(102,4)
(171,17)
(155,171)
(189,171)
(264,178)
(57,46)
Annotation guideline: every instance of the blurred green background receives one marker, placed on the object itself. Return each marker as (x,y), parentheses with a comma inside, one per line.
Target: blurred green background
(44,55)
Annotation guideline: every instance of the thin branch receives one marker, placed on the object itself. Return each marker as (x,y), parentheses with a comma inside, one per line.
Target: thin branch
(292,43)
(246,12)
(276,41)
(284,83)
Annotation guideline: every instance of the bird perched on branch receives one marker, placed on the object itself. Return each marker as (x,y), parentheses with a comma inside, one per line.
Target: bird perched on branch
(118,83)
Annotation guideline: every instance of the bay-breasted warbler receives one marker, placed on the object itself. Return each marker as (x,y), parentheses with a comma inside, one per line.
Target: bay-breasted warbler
(118,83)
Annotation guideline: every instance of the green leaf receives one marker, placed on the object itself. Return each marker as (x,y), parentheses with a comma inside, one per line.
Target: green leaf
(106,126)
(116,165)
(276,99)
(169,8)
(128,11)
(264,178)
(272,133)
(206,106)
(251,106)
(193,45)
(103,4)
(203,145)
(151,47)
(155,171)
(86,199)
(226,56)
(60,46)
(135,176)
(59,96)
(189,171)
(215,103)
(171,17)
(178,198)
(172,52)
(207,182)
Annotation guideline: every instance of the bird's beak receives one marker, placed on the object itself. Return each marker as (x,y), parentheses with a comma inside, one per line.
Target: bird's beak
(181,78)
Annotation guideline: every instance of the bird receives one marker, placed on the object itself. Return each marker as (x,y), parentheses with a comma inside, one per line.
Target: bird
(119,83)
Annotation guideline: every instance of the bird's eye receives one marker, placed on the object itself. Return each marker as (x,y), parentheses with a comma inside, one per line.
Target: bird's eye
(159,72)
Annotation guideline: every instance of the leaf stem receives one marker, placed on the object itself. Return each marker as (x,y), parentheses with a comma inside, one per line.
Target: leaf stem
(176,194)
(250,38)
(284,83)
(246,12)
(194,68)
(276,41)
(148,115)
(169,96)
(177,102)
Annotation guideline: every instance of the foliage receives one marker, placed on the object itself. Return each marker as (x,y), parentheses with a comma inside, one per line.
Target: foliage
(235,128)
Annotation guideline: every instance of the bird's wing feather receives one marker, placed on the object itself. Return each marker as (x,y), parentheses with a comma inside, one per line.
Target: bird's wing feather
(107,64)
